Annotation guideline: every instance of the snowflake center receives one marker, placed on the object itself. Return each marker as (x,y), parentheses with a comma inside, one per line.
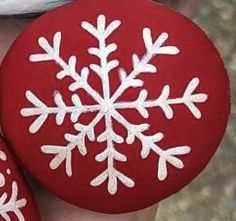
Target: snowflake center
(107,106)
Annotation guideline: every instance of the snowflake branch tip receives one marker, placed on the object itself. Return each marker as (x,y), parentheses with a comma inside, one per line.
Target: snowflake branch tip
(61,154)
(194,98)
(169,156)
(113,178)
(39,109)
(51,52)
(188,99)
(157,47)
(101,32)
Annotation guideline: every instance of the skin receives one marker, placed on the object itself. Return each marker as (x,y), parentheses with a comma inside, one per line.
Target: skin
(51,208)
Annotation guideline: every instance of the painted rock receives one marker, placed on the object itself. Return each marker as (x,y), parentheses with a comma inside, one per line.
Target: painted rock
(119,109)
(16,202)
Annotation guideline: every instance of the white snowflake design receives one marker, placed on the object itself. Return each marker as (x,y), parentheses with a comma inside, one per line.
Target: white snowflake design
(107,106)
(11,205)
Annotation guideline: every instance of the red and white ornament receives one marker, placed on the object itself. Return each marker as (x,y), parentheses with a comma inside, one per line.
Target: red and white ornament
(114,105)
(16,202)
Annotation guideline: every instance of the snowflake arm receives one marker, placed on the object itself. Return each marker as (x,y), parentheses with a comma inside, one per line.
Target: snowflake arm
(13,205)
(101,33)
(143,65)
(149,143)
(111,155)
(52,53)
(43,111)
(64,153)
(164,102)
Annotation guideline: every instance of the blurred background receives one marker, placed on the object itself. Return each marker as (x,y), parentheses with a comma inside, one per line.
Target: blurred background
(212,196)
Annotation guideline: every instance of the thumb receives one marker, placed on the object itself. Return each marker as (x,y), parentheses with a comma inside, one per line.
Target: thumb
(54,209)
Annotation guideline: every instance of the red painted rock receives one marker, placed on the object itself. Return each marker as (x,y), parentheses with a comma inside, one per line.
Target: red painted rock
(113,110)
(16,202)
